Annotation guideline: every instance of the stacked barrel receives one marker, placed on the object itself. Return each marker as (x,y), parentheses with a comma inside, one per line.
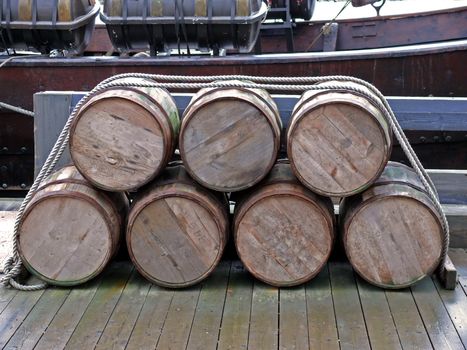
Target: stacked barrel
(338,144)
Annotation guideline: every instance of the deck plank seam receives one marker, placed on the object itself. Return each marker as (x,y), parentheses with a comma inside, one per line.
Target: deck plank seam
(194,314)
(392,318)
(355,276)
(165,318)
(307,318)
(87,307)
(446,309)
(333,306)
(90,300)
(251,309)
(133,271)
(278,318)
(223,306)
(423,320)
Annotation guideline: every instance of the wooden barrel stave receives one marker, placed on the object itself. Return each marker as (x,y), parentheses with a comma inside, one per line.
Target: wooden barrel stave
(283,232)
(392,233)
(338,142)
(177,231)
(69,230)
(230,138)
(122,138)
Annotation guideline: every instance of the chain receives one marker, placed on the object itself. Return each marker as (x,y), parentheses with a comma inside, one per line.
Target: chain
(13,265)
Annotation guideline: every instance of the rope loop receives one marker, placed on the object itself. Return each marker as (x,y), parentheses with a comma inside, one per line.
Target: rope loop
(13,264)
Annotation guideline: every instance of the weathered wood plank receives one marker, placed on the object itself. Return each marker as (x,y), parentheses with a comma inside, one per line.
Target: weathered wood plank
(15,312)
(459,258)
(148,327)
(208,316)
(6,295)
(293,325)
(236,318)
(179,320)
(455,302)
(118,330)
(448,275)
(380,324)
(442,332)
(32,328)
(63,324)
(322,328)
(350,321)
(90,328)
(409,324)
(264,320)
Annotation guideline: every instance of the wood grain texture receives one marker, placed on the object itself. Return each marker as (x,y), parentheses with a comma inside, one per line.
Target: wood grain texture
(69,231)
(409,323)
(322,331)
(177,231)
(234,331)
(351,325)
(123,137)
(283,232)
(459,258)
(230,138)
(264,319)
(438,324)
(90,327)
(338,142)
(209,311)
(391,233)
(293,321)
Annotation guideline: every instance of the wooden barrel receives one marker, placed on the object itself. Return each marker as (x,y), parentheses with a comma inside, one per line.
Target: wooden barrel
(177,231)
(338,142)
(70,230)
(230,137)
(123,137)
(283,232)
(392,233)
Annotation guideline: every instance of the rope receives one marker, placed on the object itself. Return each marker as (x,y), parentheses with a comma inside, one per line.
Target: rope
(297,84)
(16,109)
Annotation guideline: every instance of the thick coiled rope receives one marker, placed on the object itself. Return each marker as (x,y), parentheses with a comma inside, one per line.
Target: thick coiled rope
(13,265)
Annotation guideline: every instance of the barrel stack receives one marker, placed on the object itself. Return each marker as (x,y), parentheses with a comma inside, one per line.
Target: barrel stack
(70,230)
(338,144)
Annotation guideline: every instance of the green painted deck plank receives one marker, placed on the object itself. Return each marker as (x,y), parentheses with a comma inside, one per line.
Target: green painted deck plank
(459,258)
(118,330)
(208,316)
(380,324)
(293,321)
(455,302)
(320,310)
(90,327)
(32,328)
(179,319)
(350,321)
(236,318)
(264,321)
(64,322)
(14,314)
(409,324)
(442,333)
(148,327)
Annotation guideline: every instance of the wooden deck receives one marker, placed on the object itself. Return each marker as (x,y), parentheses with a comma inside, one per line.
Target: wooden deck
(231,310)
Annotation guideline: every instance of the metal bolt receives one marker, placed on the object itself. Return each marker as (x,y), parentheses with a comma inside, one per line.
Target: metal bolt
(5,149)
(448,138)
(5,186)
(4,168)
(23,149)
(422,139)
(23,185)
